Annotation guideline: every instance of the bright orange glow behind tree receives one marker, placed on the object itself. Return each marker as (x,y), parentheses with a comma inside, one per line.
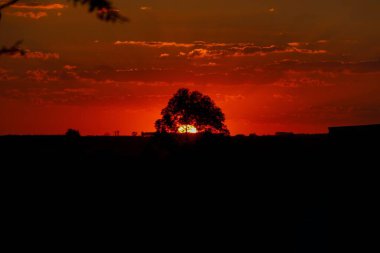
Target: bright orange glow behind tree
(187,129)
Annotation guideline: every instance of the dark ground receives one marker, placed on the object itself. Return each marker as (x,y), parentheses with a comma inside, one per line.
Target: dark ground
(230,193)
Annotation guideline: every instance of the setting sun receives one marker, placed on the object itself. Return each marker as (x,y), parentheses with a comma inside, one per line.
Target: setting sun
(187,129)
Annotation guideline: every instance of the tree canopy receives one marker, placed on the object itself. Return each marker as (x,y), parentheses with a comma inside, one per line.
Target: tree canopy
(191,108)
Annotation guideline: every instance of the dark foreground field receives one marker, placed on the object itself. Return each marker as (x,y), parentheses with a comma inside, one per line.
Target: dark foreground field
(200,192)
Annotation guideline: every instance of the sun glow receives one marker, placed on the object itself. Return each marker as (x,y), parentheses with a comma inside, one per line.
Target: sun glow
(187,129)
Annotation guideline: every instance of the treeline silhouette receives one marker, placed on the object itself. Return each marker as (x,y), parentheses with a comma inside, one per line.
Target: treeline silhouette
(193,148)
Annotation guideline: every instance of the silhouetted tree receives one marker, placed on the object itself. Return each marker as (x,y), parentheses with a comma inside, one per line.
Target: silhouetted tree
(191,108)
(72,133)
(104,9)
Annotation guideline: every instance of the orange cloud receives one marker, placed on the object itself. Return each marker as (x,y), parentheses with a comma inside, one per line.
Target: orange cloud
(154,44)
(43,56)
(67,74)
(70,67)
(305,51)
(29,14)
(262,51)
(145,8)
(5,75)
(327,67)
(82,91)
(38,55)
(199,53)
(209,64)
(40,76)
(294,44)
(38,6)
(201,49)
(164,55)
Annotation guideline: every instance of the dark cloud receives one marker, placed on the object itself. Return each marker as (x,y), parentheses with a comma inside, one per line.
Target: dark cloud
(326,66)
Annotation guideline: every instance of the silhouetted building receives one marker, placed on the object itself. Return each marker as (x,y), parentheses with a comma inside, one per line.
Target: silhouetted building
(284,134)
(72,133)
(148,134)
(355,131)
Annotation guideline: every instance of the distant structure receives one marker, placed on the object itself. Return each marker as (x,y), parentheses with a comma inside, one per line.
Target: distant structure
(284,134)
(116,133)
(355,131)
(72,133)
(134,134)
(148,134)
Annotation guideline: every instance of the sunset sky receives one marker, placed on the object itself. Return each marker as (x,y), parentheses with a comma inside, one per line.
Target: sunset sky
(271,65)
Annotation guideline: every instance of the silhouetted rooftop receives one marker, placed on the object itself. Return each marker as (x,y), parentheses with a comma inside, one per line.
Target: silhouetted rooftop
(352,131)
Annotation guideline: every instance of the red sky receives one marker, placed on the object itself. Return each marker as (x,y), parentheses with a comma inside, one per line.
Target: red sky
(270,65)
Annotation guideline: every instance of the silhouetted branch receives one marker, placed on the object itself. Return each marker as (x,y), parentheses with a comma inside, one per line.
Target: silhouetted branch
(104,10)
(15,49)
(9,3)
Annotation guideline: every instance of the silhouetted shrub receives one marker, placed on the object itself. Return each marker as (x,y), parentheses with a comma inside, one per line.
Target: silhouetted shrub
(72,133)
